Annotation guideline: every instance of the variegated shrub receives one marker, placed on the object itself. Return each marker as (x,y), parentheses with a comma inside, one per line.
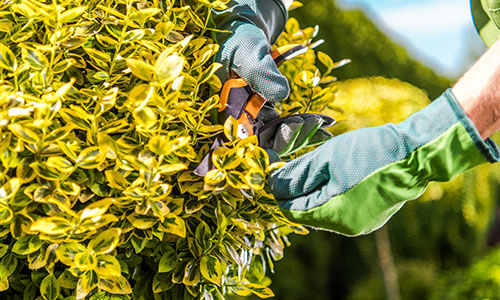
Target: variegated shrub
(105,109)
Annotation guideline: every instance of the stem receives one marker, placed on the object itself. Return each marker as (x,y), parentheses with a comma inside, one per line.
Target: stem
(387,265)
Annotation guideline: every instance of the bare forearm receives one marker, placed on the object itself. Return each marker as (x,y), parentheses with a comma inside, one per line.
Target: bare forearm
(478,92)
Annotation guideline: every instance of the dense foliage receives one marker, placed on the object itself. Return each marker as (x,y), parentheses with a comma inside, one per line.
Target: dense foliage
(105,110)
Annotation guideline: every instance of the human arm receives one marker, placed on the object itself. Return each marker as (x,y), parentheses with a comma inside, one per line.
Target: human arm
(354,183)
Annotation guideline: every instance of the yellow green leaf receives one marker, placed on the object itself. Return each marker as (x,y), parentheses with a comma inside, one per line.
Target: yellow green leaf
(256,179)
(35,59)
(116,180)
(107,102)
(96,209)
(215,178)
(85,261)
(174,225)
(9,189)
(132,35)
(236,180)
(226,159)
(98,55)
(191,273)
(7,58)
(257,158)
(115,285)
(86,283)
(4,284)
(209,72)
(67,251)
(169,169)
(145,117)
(24,134)
(27,245)
(162,145)
(107,266)
(260,290)
(71,15)
(77,117)
(52,225)
(168,67)
(94,223)
(211,269)
(231,129)
(63,65)
(105,242)
(49,288)
(90,158)
(141,221)
(141,69)
(107,145)
(60,163)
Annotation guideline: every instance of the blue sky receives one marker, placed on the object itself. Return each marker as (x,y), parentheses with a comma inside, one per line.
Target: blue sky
(440,33)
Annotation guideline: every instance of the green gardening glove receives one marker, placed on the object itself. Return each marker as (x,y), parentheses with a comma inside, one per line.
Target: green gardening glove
(250,27)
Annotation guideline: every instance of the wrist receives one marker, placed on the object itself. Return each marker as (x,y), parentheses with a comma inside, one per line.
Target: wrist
(478,92)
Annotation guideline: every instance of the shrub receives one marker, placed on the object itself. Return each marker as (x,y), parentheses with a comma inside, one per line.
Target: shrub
(105,110)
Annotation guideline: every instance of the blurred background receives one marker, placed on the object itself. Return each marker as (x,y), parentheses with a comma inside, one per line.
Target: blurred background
(442,246)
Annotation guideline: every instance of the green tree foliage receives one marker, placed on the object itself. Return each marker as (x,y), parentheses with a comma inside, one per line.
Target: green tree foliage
(104,112)
(351,34)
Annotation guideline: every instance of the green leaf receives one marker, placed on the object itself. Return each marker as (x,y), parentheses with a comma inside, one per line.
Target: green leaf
(63,65)
(71,15)
(168,67)
(211,269)
(6,215)
(27,245)
(191,273)
(7,59)
(24,134)
(105,242)
(162,282)
(108,267)
(3,249)
(8,265)
(49,288)
(141,69)
(168,260)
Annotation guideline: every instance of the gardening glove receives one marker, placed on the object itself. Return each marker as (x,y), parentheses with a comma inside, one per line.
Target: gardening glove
(355,182)
(250,28)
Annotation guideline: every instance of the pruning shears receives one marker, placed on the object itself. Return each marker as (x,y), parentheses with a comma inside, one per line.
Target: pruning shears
(239,101)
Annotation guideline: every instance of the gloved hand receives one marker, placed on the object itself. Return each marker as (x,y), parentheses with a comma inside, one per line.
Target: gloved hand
(252,27)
